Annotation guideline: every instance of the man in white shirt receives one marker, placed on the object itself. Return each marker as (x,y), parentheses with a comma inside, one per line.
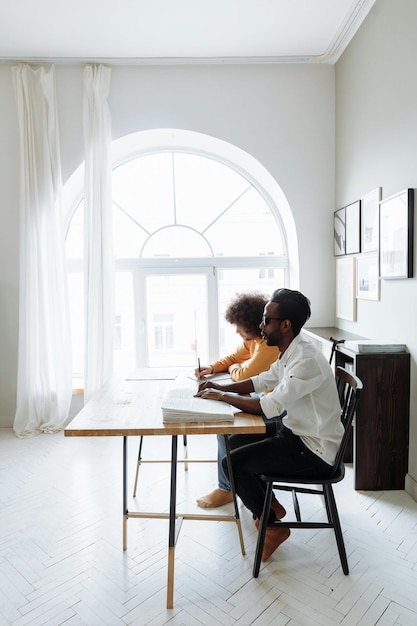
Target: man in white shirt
(305,440)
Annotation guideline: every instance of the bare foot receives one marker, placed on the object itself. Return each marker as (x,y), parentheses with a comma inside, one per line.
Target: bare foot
(216,498)
(274,537)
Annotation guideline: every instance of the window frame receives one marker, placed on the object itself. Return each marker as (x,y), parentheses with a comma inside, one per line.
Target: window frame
(163,140)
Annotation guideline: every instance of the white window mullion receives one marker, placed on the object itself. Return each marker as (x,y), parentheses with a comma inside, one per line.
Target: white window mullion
(213,314)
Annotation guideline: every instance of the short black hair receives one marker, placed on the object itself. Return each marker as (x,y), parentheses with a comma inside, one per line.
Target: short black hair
(246,310)
(293,306)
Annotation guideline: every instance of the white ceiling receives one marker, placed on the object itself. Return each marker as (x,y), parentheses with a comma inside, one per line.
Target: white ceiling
(178,31)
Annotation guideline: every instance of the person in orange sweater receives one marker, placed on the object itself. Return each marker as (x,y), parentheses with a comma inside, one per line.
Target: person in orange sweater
(250,358)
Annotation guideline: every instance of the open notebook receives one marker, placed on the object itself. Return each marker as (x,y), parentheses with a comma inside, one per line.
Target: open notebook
(179,405)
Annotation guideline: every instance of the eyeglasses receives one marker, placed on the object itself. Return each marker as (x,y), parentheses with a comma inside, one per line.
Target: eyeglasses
(266,320)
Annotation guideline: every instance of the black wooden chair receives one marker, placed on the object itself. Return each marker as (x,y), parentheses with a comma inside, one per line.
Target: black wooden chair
(349,388)
(335,343)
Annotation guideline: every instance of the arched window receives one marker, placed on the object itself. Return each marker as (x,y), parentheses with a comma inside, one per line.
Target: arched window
(192,227)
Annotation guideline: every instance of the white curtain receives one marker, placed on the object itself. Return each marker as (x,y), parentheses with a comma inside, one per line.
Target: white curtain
(98,243)
(44,384)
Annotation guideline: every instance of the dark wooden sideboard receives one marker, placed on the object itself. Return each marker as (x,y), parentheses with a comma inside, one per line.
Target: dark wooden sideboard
(379,450)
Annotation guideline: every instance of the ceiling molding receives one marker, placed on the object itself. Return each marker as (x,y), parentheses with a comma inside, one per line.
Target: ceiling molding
(359,9)
(347,30)
(166,60)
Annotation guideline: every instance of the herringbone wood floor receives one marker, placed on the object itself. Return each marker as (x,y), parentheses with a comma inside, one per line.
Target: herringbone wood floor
(61,557)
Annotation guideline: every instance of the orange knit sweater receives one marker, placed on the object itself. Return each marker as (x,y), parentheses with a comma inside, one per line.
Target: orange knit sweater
(250,359)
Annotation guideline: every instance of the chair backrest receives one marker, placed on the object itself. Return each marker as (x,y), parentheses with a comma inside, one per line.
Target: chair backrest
(335,343)
(349,388)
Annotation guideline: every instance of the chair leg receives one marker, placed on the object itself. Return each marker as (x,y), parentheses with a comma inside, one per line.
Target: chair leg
(262,530)
(138,466)
(334,515)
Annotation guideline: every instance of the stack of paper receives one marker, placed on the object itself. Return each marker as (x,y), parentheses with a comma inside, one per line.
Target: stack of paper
(374,346)
(179,405)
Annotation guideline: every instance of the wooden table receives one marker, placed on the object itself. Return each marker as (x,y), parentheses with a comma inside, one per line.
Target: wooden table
(124,408)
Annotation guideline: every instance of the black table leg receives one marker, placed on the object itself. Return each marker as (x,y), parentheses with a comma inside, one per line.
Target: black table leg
(125,511)
(172,522)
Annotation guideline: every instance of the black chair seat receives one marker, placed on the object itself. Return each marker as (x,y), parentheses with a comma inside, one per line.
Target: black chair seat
(334,478)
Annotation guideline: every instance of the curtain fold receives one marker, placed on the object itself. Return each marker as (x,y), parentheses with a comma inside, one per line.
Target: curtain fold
(98,241)
(44,378)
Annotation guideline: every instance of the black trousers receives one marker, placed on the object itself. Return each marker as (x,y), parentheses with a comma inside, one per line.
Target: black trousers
(278,452)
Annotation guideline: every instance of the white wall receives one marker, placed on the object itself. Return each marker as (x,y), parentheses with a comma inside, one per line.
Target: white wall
(282,115)
(376,139)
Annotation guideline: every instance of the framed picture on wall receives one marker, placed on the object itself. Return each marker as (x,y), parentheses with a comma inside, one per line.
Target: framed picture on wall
(339,232)
(367,276)
(353,228)
(370,220)
(396,230)
(346,288)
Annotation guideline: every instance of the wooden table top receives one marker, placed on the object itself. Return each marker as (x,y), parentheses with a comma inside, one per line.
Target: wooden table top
(133,408)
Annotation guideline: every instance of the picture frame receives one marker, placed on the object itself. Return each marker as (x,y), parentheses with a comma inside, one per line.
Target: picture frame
(370,220)
(396,235)
(346,288)
(367,276)
(339,232)
(353,228)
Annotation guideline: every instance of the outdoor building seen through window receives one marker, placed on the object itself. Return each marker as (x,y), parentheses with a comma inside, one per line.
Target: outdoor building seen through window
(189,233)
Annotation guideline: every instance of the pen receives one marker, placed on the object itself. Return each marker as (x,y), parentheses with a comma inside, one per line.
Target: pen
(199,366)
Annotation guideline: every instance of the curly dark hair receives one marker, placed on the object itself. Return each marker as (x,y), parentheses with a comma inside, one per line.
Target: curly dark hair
(246,310)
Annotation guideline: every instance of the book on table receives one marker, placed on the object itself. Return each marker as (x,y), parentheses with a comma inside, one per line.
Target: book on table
(180,405)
